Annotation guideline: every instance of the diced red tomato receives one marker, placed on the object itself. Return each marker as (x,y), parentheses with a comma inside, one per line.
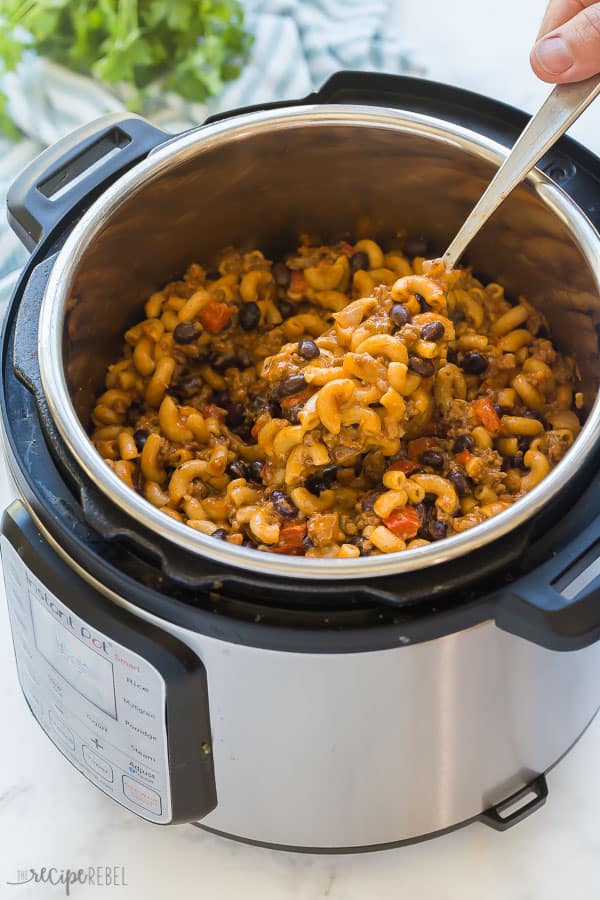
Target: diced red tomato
(297,282)
(215,316)
(463,457)
(419,445)
(487,415)
(404,522)
(403,465)
(347,249)
(290,539)
(301,397)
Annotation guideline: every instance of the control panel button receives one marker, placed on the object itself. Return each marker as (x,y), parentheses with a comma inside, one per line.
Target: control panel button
(141,795)
(102,683)
(97,764)
(64,733)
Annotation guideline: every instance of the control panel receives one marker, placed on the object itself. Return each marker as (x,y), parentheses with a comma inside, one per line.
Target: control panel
(102,703)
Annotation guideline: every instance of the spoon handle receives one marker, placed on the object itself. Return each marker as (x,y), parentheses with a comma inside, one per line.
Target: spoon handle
(560,109)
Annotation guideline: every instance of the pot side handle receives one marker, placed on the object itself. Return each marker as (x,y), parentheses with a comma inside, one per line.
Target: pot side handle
(63,175)
(557,605)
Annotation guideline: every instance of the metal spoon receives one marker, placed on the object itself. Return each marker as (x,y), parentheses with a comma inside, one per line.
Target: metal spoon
(559,110)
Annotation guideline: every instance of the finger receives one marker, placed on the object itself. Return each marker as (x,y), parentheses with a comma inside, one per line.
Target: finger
(570,52)
(558,12)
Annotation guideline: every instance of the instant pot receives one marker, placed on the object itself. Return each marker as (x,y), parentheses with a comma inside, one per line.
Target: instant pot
(305,703)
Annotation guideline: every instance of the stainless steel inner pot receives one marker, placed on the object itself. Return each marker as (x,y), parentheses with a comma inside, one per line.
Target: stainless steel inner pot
(259,180)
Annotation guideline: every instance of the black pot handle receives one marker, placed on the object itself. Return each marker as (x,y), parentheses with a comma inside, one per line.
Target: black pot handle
(557,605)
(511,811)
(61,177)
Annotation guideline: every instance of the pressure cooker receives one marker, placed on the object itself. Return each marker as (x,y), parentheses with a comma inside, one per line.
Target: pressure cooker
(314,704)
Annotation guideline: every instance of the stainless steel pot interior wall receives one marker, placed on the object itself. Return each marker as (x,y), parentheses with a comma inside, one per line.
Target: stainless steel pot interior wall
(262,186)
(259,180)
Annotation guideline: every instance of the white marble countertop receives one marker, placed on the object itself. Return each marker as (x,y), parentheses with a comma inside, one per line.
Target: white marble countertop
(51,816)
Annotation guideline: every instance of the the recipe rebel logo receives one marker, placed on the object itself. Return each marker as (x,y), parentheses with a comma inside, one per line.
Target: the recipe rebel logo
(92,876)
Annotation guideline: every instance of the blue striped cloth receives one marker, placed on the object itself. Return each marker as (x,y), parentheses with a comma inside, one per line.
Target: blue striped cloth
(298,45)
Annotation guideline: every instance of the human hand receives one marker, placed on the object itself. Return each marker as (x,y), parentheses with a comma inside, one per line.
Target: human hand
(568,42)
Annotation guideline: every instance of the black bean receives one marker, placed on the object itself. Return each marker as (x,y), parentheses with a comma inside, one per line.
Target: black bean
(185,333)
(255,471)
(308,349)
(459,481)
(498,410)
(426,513)
(238,469)
(281,274)
(452,356)
(315,484)
(187,387)
(399,315)
(523,442)
(291,413)
(532,414)
(275,410)
(421,511)
(433,331)
(362,543)
(433,459)
(423,367)
(329,474)
(222,399)
(321,480)
(463,442)
(307,544)
(220,534)
(248,543)
(359,261)
(416,246)
(140,437)
(283,504)
(514,462)
(286,308)
(235,415)
(437,530)
(249,316)
(291,385)
(425,307)
(369,499)
(260,404)
(474,363)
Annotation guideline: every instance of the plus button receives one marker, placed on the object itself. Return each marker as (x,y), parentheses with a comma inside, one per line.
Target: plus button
(97,744)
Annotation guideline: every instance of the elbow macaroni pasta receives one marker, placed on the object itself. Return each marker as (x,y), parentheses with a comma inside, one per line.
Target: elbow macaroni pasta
(345,401)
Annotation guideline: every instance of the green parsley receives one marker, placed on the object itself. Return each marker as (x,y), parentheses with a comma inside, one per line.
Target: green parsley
(191,47)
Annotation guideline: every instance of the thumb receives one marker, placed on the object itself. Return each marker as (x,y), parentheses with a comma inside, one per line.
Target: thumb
(572,51)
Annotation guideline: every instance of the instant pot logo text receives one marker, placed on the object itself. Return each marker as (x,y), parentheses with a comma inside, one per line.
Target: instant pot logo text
(93,876)
(65,618)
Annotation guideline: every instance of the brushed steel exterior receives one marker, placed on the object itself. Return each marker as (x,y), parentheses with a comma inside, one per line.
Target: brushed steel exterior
(262,177)
(351,750)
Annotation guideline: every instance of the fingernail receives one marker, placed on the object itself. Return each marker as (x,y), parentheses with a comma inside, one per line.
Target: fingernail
(553,55)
